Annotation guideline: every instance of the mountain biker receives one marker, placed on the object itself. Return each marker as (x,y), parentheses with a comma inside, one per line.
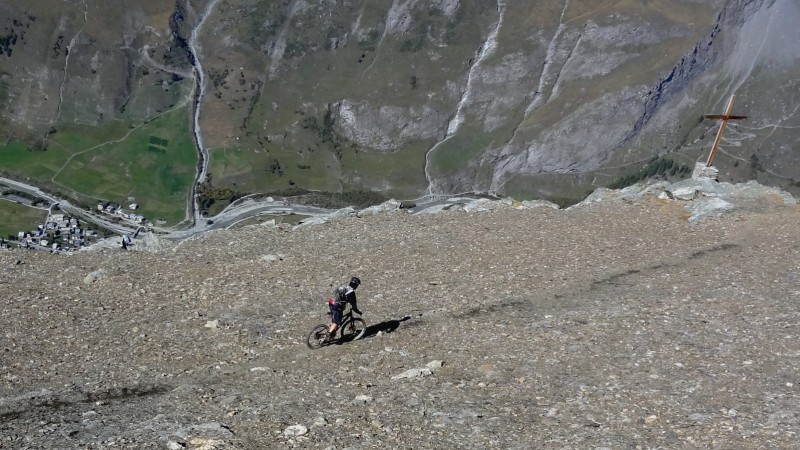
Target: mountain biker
(342,295)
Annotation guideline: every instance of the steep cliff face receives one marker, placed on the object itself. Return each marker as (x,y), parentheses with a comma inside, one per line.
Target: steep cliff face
(90,63)
(535,99)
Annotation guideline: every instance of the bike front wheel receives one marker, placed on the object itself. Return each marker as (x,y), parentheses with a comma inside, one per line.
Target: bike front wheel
(354,329)
(316,338)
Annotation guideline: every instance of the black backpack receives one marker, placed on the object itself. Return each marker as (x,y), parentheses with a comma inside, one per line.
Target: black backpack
(339,298)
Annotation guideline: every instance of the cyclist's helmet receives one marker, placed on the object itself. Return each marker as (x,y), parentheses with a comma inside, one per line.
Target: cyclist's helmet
(354,282)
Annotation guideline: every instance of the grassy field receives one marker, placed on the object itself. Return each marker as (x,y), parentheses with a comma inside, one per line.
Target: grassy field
(274,168)
(152,165)
(16,158)
(399,174)
(15,217)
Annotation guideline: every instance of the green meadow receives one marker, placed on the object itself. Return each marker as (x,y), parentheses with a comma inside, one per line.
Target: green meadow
(15,217)
(152,164)
(273,168)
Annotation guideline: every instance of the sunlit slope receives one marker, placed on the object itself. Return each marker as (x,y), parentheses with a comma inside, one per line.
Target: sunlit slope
(532,99)
(84,88)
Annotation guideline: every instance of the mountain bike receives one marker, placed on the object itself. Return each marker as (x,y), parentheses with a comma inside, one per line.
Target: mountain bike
(351,329)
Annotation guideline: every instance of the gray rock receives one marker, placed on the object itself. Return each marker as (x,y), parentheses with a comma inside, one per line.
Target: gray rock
(94,276)
(700,418)
(295,430)
(320,422)
(703,172)
(385,207)
(413,373)
(435,364)
(272,258)
(361,398)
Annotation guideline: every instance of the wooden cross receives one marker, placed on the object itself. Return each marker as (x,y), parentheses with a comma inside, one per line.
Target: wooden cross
(725,118)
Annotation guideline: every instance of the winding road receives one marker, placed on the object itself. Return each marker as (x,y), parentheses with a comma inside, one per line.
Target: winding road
(230,216)
(199,93)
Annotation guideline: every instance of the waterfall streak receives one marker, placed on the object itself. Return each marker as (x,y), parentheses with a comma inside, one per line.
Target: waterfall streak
(66,65)
(485,51)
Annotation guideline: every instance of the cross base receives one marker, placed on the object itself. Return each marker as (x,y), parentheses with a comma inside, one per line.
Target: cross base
(704,172)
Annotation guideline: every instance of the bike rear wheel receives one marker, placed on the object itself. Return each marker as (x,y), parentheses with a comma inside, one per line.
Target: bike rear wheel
(354,329)
(316,338)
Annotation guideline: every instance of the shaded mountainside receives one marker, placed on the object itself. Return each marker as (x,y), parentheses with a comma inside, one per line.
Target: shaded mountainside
(547,100)
(614,324)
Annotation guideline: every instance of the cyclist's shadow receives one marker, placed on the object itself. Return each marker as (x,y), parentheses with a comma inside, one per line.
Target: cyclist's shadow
(387,326)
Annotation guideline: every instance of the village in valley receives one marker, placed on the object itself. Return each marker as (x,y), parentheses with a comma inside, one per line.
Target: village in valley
(63,232)
(60,232)
(116,210)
